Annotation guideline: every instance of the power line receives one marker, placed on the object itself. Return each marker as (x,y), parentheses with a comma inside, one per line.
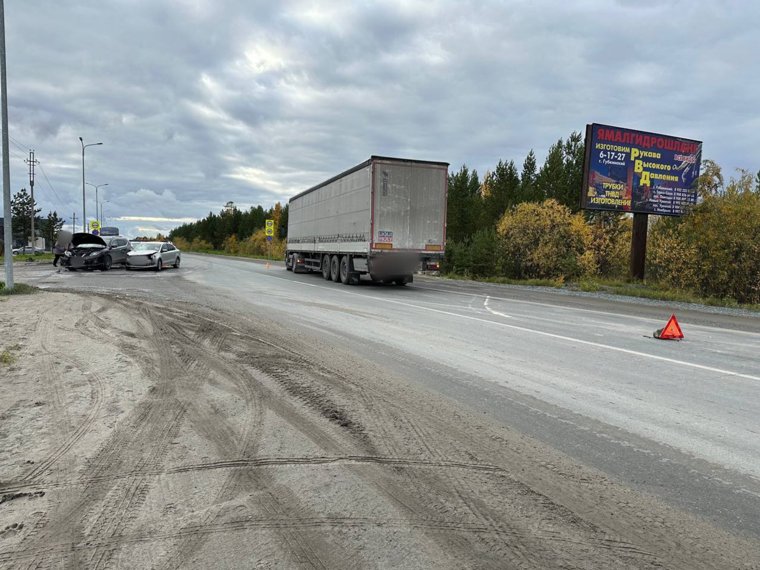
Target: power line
(22,157)
(58,198)
(18,144)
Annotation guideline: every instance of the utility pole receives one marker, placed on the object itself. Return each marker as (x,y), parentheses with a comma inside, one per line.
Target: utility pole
(32,162)
(7,232)
(74,222)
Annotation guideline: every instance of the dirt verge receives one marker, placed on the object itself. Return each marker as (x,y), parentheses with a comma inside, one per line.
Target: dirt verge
(135,434)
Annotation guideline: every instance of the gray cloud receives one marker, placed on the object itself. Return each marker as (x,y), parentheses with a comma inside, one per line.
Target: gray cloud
(200,102)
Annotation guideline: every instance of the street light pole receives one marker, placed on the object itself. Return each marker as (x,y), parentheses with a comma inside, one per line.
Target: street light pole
(96,186)
(84,207)
(7,232)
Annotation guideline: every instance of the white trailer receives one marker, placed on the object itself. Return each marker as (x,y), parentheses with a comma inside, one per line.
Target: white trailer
(385,218)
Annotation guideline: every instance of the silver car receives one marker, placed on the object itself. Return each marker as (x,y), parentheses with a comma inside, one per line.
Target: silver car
(27,250)
(152,255)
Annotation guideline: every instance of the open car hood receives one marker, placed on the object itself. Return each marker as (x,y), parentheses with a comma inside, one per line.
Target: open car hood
(85,238)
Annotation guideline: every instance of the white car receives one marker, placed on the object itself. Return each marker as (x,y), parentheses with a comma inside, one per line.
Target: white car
(152,255)
(27,249)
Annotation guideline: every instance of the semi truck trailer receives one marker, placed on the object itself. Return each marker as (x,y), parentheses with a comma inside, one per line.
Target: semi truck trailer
(384,218)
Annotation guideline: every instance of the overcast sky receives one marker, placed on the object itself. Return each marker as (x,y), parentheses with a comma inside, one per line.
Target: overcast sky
(198,102)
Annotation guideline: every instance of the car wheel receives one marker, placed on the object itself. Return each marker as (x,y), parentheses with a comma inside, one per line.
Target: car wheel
(176,263)
(159,265)
(107,262)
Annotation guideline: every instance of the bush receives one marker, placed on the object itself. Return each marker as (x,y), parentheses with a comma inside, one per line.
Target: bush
(483,253)
(610,245)
(545,241)
(231,245)
(457,258)
(200,245)
(715,248)
(181,243)
(671,259)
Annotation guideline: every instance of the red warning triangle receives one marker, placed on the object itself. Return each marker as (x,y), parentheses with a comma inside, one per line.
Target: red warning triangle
(672,330)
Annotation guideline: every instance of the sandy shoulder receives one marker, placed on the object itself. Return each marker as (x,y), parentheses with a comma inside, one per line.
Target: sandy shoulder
(135,434)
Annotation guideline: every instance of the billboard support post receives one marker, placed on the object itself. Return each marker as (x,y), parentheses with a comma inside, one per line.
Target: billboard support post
(639,245)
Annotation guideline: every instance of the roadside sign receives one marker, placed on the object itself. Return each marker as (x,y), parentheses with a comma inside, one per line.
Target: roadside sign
(95,232)
(269,229)
(94,225)
(269,238)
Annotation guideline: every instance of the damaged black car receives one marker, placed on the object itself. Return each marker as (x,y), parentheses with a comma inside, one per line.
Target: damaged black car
(87,251)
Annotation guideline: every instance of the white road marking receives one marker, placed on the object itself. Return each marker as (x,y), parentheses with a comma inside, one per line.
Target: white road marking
(497,313)
(597,311)
(533,331)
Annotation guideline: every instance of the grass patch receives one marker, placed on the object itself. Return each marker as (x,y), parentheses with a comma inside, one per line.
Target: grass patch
(555,283)
(7,357)
(39,257)
(18,289)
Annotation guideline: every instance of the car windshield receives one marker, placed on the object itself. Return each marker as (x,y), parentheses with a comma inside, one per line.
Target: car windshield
(146,246)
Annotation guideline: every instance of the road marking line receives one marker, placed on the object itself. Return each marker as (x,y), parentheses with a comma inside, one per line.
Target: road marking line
(577,340)
(534,331)
(490,310)
(423,287)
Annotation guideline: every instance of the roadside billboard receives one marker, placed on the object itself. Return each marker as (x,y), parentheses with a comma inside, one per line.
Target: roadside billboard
(639,172)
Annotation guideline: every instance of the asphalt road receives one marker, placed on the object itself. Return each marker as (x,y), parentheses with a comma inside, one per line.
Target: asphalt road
(582,373)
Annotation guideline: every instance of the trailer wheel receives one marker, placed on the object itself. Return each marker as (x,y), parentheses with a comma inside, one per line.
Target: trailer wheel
(335,268)
(326,266)
(288,262)
(345,276)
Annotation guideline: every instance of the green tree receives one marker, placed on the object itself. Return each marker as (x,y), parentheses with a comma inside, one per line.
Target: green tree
(561,176)
(50,226)
(483,253)
(551,178)
(500,191)
(463,204)
(21,212)
(528,190)
(575,156)
(282,231)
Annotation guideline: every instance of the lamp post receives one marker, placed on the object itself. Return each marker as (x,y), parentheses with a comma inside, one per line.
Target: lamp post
(7,230)
(84,207)
(96,186)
